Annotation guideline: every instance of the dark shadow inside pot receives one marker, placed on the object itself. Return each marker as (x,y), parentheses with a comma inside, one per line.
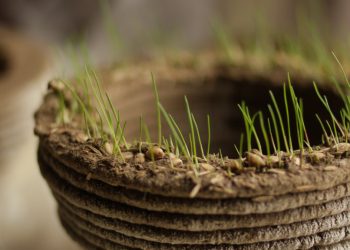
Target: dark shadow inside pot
(218,98)
(4,62)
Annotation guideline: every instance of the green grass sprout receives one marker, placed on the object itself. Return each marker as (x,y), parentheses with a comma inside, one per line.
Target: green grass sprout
(198,136)
(159,119)
(192,135)
(281,124)
(209,135)
(250,126)
(263,130)
(290,145)
(274,122)
(176,132)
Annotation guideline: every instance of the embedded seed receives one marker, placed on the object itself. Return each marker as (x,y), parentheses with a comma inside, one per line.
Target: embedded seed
(255,160)
(81,137)
(109,148)
(234,165)
(155,152)
(176,161)
(273,159)
(316,157)
(207,166)
(341,148)
(128,155)
(330,168)
(296,160)
(139,158)
(257,152)
(171,156)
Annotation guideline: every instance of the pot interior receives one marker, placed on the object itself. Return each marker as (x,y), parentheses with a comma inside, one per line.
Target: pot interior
(219,98)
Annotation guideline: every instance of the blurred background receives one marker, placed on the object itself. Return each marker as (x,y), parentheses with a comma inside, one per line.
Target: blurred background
(38,37)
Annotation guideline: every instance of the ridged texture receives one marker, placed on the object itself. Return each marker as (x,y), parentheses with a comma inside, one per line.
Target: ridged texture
(104,204)
(98,219)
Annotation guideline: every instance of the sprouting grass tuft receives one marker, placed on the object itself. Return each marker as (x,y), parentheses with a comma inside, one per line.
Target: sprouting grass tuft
(335,123)
(198,136)
(176,132)
(192,135)
(107,112)
(290,143)
(268,132)
(250,126)
(280,119)
(299,118)
(91,126)
(62,110)
(263,130)
(159,119)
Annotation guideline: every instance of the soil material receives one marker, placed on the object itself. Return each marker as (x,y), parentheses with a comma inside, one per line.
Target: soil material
(146,203)
(111,240)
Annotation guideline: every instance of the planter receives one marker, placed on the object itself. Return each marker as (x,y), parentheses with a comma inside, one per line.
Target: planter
(106,204)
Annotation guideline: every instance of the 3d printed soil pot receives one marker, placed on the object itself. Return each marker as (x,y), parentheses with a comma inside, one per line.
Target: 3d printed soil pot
(148,203)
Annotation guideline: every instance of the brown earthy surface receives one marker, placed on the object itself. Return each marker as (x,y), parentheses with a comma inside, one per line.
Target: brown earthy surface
(90,157)
(104,203)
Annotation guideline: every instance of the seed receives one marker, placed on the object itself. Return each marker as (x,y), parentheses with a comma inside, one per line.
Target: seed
(341,148)
(207,166)
(176,161)
(139,158)
(81,137)
(316,157)
(257,152)
(155,153)
(109,148)
(330,168)
(255,160)
(234,165)
(296,160)
(172,156)
(128,155)
(273,159)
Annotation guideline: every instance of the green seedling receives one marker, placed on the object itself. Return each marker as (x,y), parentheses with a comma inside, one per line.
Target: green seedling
(281,124)
(192,135)
(176,132)
(198,136)
(250,126)
(159,121)
(263,130)
(209,135)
